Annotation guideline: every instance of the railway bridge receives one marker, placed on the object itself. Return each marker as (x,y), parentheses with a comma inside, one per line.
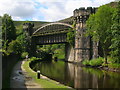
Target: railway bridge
(56,32)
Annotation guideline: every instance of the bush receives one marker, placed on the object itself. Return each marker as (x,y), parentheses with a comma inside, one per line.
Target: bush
(24,54)
(96,62)
(71,37)
(93,62)
(114,65)
(15,47)
(86,62)
(34,58)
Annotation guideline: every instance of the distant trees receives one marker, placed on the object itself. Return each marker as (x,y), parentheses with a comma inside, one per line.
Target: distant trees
(99,27)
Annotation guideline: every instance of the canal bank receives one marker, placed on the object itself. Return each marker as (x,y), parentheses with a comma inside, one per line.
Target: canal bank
(20,78)
(45,82)
(76,76)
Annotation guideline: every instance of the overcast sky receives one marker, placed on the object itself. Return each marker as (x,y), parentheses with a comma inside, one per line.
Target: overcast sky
(45,10)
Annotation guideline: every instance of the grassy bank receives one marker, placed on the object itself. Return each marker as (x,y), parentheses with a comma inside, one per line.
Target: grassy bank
(43,82)
(99,62)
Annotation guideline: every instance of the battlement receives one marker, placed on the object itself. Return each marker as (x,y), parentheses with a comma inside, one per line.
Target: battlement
(27,25)
(82,14)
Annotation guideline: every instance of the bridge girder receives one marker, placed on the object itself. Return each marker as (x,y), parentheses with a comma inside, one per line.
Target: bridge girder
(50,28)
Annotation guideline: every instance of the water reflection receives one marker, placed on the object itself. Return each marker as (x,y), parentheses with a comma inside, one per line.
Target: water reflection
(78,77)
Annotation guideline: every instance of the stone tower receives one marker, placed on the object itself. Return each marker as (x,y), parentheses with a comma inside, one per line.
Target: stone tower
(82,43)
(28,29)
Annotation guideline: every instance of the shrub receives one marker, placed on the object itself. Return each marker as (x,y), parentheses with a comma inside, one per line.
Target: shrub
(15,47)
(114,65)
(96,62)
(24,54)
(93,62)
(33,58)
(85,62)
(71,37)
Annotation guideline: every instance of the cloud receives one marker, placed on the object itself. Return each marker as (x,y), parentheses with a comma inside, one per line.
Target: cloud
(19,10)
(45,10)
(62,9)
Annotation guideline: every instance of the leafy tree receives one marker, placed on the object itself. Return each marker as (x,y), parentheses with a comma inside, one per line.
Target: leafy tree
(115,46)
(8,32)
(22,39)
(15,47)
(8,28)
(99,27)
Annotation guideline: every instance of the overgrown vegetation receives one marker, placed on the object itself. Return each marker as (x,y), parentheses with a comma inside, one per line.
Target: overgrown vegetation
(93,62)
(115,44)
(24,54)
(104,27)
(56,50)
(13,42)
(71,37)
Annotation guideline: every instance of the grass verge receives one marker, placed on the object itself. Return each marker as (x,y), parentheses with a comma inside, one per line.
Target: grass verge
(43,82)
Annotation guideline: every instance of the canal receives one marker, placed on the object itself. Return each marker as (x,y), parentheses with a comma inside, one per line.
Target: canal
(76,76)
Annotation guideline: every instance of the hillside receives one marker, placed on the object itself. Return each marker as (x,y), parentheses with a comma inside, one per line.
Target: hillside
(36,23)
(113,4)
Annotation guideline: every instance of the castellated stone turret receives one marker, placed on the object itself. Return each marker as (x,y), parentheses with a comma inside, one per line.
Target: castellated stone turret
(28,27)
(81,15)
(82,43)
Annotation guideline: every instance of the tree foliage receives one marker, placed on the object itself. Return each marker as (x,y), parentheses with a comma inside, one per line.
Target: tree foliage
(8,28)
(99,27)
(12,43)
(15,47)
(115,46)
(71,37)
(23,41)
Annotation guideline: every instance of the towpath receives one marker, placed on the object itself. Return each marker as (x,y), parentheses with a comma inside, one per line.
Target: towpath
(20,79)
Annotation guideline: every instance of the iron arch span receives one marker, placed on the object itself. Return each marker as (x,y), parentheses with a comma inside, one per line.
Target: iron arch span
(52,28)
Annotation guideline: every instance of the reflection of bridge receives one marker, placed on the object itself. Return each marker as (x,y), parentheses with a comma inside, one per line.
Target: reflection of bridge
(57,33)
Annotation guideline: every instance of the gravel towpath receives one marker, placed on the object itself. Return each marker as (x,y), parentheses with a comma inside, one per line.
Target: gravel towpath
(20,79)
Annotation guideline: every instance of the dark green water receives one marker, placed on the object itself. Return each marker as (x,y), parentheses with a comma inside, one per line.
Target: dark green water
(78,77)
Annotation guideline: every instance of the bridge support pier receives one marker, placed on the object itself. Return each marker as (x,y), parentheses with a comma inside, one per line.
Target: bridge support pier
(69,53)
(33,47)
(82,43)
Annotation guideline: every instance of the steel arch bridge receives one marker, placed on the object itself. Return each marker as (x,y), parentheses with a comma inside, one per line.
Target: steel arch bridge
(52,28)
(52,33)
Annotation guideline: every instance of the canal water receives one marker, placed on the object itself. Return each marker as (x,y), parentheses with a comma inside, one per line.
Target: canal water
(76,76)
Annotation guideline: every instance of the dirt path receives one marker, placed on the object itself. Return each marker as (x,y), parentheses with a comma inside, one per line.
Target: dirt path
(20,79)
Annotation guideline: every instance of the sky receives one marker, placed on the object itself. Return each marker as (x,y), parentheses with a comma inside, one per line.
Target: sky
(45,10)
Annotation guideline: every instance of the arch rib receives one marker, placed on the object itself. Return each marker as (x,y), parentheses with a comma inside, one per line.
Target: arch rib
(52,24)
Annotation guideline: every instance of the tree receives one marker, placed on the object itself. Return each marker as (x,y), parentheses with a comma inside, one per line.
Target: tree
(99,27)
(115,46)
(8,32)
(15,47)
(23,41)
(8,28)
